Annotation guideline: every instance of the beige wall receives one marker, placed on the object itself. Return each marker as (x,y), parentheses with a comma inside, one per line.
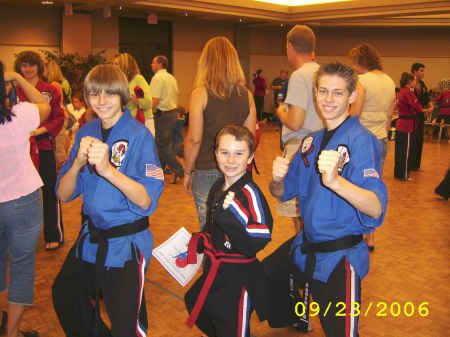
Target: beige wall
(188,41)
(400,47)
(259,48)
(19,30)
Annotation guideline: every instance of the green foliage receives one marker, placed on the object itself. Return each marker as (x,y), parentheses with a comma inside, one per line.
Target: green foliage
(74,66)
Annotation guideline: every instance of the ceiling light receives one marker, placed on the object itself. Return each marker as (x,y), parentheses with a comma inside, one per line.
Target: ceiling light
(300,2)
(47,2)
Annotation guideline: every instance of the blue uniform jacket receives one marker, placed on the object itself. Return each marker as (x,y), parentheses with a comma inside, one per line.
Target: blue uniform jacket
(327,216)
(133,152)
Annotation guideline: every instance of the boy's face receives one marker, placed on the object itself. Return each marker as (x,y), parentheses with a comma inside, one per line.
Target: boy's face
(333,99)
(107,107)
(29,71)
(77,104)
(233,156)
(420,74)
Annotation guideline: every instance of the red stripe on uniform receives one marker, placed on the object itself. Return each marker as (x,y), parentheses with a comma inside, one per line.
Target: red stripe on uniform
(347,298)
(250,203)
(241,303)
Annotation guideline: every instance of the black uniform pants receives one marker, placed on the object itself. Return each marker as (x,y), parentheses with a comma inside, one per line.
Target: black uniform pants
(416,155)
(121,288)
(53,226)
(165,123)
(404,147)
(341,293)
(227,309)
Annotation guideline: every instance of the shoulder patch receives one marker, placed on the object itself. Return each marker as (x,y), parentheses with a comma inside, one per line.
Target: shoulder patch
(344,157)
(371,173)
(118,151)
(306,145)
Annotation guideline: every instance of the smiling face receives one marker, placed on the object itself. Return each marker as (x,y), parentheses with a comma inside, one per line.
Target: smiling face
(333,99)
(106,106)
(232,156)
(29,71)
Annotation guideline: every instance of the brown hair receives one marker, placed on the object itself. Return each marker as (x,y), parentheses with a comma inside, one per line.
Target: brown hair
(241,133)
(219,69)
(107,78)
(366,56)
(406,78)
(163,61)
(128,65)
(302,38)
(339,69)
(30,57)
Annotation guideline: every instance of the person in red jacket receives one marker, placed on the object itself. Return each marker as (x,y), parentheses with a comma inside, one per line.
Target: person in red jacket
(29,64)
(406,127)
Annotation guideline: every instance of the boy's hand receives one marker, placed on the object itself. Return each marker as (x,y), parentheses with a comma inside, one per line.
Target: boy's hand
(98,155)
(327,164)
(82,155)
(280,168)
(228,200)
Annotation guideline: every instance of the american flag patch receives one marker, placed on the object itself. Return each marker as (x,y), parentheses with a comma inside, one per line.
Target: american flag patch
(154,171)
(371,173)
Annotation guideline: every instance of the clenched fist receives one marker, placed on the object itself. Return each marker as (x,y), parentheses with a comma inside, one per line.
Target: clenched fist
(328,164)
(280,168)
(85,145)
(228,200)
(98,155)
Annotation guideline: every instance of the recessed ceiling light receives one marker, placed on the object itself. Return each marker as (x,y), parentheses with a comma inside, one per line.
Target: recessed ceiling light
(47,2)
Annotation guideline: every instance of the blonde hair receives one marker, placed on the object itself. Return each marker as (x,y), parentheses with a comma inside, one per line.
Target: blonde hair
(219,69)
(107,78)
(128,65)
(54,73)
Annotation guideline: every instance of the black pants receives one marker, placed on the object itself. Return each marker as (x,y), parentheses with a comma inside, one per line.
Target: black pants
(342,291)
(53,226)
(122,291)
(165,122)
(443,188)
(227,308)
(259,105)
(405,146)
(416,155)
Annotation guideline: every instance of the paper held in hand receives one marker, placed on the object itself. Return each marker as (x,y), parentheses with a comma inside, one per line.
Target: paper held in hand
(175,248)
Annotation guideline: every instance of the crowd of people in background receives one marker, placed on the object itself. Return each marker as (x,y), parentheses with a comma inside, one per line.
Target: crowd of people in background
(113,142)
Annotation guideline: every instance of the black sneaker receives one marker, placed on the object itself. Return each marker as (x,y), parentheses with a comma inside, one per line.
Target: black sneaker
(4,322)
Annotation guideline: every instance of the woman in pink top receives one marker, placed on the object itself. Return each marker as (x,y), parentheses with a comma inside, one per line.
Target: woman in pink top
(20,199)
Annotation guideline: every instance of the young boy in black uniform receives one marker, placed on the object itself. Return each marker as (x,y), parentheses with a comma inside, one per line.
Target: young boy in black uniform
(239,224)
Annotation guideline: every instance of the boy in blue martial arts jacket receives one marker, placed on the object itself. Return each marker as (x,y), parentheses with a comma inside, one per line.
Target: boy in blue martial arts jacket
(337,176)
(114,166)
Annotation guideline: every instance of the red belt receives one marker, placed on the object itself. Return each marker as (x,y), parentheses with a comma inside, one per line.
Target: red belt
(217,257)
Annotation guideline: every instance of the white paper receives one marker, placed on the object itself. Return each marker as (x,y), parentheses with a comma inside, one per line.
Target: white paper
(167,252)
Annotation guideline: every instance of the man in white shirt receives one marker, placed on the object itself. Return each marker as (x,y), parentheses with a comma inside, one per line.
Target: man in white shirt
(298,113)
(164,90)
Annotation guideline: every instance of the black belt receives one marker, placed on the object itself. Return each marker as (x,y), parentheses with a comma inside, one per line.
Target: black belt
(310,248)
(101,237)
